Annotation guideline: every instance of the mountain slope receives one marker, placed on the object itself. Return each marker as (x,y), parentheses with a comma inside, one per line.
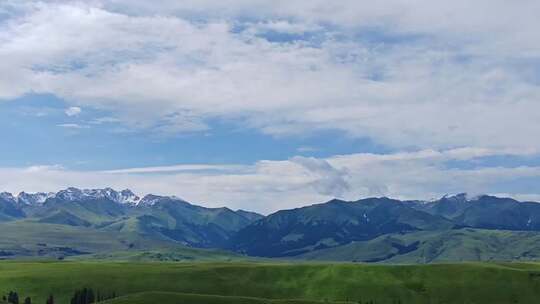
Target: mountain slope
(292,232)
(88,211)
(250,216)
(437,246)
(8,208)
(177,220)
(487,212)
(26,238)
(453,228)
(163,218)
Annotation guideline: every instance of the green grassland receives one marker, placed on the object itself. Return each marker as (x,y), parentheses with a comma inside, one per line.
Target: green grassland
(492,283)
(176,298)
(173,254)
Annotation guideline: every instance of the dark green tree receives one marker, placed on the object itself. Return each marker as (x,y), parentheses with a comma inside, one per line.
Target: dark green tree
(13,297)
(84,296)
(50,299)
(91,297)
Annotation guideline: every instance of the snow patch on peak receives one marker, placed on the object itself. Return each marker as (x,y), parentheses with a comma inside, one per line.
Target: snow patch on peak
(6,196)
(461,197)
(128,197)
(122,197)
(32,199)
(72,194)
(456,197)
(151,200)
(69,194)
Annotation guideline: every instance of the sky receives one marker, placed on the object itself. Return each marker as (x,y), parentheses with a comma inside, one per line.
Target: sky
(268,105)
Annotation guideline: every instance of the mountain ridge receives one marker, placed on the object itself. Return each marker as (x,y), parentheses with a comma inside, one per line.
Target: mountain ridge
(369,230)
(165,218)
(293,232)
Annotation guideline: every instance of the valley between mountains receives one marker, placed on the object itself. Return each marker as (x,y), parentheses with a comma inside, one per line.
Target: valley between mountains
(118,225)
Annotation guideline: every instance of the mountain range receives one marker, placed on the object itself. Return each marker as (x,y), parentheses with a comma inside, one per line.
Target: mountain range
(84,222)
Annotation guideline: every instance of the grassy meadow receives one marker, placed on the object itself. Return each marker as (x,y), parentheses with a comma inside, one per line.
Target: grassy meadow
(239,282)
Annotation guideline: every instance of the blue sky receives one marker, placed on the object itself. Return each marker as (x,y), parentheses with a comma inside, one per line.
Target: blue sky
(262,107)
(81,142)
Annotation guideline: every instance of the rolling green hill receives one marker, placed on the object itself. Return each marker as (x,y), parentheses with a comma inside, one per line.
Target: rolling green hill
(418,284)
(175,298)
(30,239)
(437,246)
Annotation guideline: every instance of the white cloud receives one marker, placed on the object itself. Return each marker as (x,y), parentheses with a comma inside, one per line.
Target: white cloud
(73,111)
(499,24)
(330,181)
(437,76)
(72,126)
(283,26)
(104,120)
(422,74)
(178,168)
(267,186)
(304,149)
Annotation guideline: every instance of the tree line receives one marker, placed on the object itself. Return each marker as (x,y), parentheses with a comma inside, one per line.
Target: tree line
(80,296)
(88,296)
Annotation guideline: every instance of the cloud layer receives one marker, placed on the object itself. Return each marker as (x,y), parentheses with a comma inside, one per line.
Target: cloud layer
(419,74)
(454,82)
(267,186)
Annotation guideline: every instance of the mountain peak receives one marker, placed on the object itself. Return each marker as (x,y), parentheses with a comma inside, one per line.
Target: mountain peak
(6,196)
(123,197)
(128,197)
(32,199)
(336,201)
(460,197)
(152,199)
(73,194)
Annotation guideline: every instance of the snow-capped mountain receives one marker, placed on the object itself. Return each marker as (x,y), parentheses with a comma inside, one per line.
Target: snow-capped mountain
(169,218)
(75,194)
(128,197)
(107,210)
(151,200)
(8,197)
(33,199)
(72,194)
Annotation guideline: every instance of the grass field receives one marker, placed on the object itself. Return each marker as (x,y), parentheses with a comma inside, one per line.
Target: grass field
(176,298)
(262,282)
